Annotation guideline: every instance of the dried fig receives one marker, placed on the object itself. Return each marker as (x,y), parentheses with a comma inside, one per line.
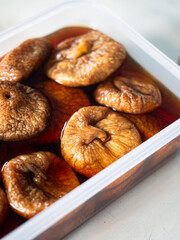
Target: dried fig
(85,60)
(64,101)
(19,63)
(35,181)
(151,123)
(147,124)
(128,94)
(25,112)
(3,206)
(94,137)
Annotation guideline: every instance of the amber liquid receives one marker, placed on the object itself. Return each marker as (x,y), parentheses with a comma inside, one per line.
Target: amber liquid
(166,114)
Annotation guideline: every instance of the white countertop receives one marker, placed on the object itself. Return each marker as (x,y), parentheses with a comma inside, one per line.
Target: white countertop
(151,210)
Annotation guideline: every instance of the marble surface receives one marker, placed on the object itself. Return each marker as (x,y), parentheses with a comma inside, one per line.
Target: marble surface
(151,210)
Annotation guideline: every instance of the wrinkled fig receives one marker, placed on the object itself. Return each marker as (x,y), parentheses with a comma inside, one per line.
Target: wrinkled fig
(147,124)
(85,59)
(94,137)
(64,102)
(35,181)
(3,206)
(128,94)
(19,63)
(25,112)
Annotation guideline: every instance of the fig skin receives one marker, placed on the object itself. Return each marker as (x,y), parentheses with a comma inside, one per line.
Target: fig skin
(18,64)
(147,124)
(95,137)
(128,94)
(64,102)
(85,60)
(25,112)
(3,206)
(151,123)
(35,181)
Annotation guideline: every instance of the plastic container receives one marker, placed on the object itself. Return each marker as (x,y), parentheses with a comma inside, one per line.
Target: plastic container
(94,194)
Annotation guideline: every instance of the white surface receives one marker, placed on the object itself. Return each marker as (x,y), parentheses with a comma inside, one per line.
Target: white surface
(151,210)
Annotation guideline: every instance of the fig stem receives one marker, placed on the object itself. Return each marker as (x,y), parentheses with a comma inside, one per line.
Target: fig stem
(91,133)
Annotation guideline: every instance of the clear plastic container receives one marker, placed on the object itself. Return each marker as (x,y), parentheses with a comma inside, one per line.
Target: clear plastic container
(94,194)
